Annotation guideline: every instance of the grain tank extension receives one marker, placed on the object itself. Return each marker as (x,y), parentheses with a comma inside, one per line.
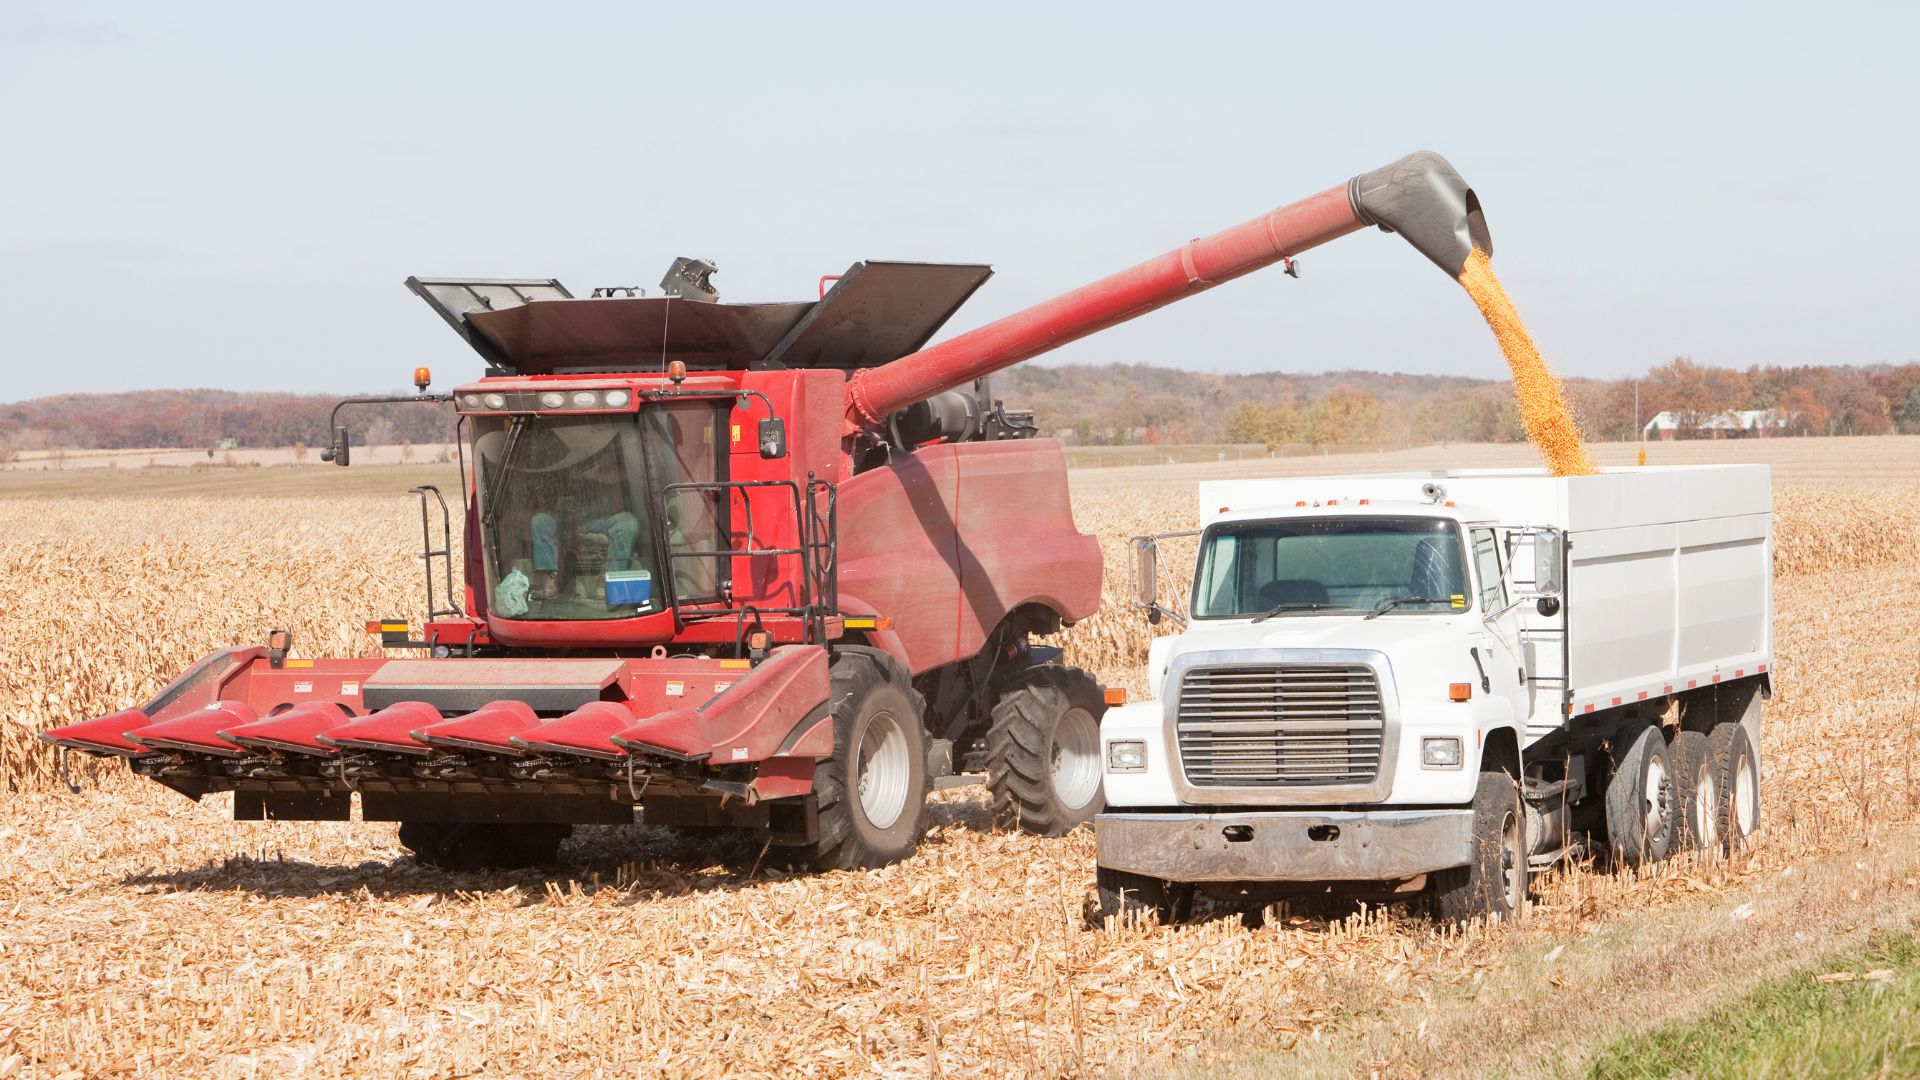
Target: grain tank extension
(770,565)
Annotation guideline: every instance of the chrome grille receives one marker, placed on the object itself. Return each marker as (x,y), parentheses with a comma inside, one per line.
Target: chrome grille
(1296,724)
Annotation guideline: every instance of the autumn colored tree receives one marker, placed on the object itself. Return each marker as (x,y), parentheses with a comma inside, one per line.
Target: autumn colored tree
(1800,412)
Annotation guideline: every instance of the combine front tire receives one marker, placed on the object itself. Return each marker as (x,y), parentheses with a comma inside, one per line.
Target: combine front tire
(1043,751)
(491,846)
(872,793)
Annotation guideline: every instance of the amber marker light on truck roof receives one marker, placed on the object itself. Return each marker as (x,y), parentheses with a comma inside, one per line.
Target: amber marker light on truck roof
(1460,691)
(1115,695)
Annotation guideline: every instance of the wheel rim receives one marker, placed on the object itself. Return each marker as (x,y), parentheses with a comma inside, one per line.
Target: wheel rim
(1706,802)
(1746,799)
(1657,787)
(1513,861)
(884,768)
(1076,759)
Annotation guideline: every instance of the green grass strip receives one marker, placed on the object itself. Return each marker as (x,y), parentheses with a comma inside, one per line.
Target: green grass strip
(1794,1027)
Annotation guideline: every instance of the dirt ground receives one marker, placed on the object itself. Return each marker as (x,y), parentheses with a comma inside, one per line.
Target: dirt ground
(146,935)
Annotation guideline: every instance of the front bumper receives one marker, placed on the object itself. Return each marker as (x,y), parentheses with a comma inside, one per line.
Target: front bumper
(1285,846)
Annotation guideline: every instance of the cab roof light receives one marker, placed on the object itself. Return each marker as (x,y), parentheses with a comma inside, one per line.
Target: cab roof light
(421,378)
(1114,695)
(1459,691)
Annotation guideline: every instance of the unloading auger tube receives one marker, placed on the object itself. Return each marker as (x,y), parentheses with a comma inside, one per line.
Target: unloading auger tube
(1420,197)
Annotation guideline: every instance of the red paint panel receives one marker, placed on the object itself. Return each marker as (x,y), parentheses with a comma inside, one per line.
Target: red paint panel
(106,735)
(898,552)
(784,777)
(198,731)
(750,720)
(1018,543)
(390,730)
(587,731)
(295,731)
(489,728)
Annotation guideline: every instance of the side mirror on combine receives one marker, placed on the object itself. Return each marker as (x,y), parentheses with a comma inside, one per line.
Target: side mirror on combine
(340,453)
(773,438)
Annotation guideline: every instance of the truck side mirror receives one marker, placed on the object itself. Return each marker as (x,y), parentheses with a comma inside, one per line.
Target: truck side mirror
(773,438)
(1549,553)
(1146,575)
(340,452)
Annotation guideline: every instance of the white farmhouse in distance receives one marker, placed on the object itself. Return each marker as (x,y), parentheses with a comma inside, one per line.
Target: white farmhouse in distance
(1742,424)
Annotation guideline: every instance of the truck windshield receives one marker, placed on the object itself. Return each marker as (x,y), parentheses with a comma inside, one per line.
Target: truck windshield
(574,511)
(1310,567)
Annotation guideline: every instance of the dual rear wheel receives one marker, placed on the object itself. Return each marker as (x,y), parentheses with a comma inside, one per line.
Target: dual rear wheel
(1701,791)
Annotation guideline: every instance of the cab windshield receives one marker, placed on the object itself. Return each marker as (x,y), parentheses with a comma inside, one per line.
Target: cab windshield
(1307,567)
(575,516)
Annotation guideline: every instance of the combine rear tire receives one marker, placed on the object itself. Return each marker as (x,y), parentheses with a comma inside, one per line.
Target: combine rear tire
(872,793)
(491,846)
(1135,896)
(1494,884)
(1043,751)
(1737,771)
(1640,796)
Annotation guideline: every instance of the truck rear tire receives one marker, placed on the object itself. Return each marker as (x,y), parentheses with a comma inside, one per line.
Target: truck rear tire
(450,845)
(1135,896)
(1698,788)
(1494,884)
(1640,796)
(1043,751)
(1737,772)
(871,794)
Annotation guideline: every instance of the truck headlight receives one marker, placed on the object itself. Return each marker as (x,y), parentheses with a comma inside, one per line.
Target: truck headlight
(1126,755)
(1440,752)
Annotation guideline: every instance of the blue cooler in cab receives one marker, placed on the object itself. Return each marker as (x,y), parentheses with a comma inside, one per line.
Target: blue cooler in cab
(629,588)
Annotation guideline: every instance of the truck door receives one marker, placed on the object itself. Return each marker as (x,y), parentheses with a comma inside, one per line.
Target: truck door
(1499,645)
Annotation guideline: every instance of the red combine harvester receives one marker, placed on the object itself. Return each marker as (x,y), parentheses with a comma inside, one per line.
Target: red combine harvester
(755,565)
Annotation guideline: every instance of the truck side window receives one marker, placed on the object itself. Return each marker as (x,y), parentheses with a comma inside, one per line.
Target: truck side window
(1486,560)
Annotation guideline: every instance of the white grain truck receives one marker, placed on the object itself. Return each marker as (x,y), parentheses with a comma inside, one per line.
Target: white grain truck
(1424,685)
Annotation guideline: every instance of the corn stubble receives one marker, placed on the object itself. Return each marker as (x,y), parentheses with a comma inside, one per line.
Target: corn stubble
(149,935)
(1543,407)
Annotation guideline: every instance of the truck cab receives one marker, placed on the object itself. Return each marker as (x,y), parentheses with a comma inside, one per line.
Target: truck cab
(1373,690)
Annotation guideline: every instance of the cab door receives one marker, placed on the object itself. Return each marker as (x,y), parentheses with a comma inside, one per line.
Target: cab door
(1501,655)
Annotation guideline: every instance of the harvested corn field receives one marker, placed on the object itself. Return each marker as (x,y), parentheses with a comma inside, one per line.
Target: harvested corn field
(148,935)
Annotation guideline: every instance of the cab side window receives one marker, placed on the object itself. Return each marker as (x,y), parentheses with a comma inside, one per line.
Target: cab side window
(1486,561)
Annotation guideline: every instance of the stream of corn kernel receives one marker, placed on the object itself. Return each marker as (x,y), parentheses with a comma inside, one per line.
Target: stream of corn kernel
(1543,408)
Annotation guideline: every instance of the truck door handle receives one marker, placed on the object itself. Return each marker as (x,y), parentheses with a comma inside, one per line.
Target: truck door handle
(1486,684)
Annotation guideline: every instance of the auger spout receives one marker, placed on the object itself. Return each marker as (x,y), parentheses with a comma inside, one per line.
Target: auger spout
(1420,196)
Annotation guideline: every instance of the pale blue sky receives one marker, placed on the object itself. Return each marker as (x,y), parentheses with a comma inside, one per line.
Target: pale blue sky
(230,195)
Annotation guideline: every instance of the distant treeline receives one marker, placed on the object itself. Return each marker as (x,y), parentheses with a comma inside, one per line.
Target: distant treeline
(1096,405)
(1137,403)
(144,419)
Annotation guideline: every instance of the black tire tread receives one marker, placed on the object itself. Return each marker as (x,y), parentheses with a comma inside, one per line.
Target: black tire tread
(838,845)
(1478,890)
(1626,818)
(1019,764)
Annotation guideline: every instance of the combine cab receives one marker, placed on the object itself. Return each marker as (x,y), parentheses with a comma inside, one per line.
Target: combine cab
(774,566)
